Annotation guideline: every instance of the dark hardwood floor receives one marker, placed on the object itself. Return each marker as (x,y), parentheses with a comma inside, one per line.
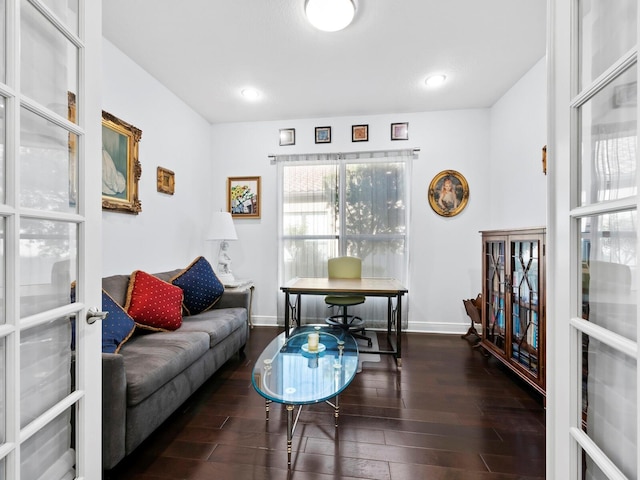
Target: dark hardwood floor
(450,413)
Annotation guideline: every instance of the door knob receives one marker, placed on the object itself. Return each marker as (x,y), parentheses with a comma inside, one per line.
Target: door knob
(94,314)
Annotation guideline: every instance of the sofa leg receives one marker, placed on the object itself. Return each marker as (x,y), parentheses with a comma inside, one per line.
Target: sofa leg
(241,353)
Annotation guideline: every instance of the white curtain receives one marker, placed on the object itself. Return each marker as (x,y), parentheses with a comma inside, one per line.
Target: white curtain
(353,204)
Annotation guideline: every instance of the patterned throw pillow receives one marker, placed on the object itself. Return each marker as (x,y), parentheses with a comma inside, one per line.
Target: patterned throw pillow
(117,328)
(153,303)
(201,286)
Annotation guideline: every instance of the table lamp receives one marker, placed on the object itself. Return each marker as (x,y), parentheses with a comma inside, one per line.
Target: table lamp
(223,230)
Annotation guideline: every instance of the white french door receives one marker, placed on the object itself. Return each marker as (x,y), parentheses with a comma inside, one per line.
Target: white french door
(592,383)
(50,371)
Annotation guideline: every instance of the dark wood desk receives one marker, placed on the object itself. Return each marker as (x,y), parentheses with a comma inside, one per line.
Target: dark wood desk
(368,287)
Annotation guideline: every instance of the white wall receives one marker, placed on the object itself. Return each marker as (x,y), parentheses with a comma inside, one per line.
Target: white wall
(169,231)
(445,252)
(497,150)
(518,132)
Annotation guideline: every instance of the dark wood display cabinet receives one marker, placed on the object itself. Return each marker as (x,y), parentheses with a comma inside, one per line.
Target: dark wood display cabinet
(513,292)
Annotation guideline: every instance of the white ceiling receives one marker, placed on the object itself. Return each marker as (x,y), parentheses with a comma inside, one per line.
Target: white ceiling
(206,51)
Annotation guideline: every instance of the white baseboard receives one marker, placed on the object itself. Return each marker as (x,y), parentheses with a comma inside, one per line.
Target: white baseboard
(422,327)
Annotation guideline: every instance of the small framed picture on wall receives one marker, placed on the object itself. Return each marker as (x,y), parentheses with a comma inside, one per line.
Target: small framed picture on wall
(400,131)
(287,136)
(323,134)
(360,133)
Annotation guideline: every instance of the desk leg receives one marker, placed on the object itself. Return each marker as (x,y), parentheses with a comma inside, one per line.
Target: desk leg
(291,312)
(286,314)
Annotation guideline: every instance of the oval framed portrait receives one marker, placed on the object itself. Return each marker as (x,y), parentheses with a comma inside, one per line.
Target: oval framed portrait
(448,193)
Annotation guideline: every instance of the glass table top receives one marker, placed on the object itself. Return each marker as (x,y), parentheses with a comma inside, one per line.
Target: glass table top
(287,372)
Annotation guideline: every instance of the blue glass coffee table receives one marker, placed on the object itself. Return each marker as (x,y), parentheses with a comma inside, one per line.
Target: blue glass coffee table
(287,372)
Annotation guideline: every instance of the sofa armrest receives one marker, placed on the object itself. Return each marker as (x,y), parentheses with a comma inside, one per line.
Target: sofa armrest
(234,299)
(114,409)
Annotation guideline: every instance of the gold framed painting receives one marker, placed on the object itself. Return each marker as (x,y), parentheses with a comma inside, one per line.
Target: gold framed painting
(243,197)
(121,169)
(166,181)
(448,193)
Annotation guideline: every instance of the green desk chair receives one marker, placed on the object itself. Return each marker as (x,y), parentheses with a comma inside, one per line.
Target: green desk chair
(346,267)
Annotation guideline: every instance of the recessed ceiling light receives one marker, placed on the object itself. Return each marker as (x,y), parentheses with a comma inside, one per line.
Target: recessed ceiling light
(330,15)
(435,80)
(250,93)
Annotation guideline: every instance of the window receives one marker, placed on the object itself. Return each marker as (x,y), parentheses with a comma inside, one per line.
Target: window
(348,204)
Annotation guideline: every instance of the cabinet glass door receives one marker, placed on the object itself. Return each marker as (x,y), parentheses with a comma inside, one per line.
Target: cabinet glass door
(525,315)
(494,267)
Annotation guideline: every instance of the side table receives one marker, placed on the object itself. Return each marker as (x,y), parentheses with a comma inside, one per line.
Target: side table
(243,286)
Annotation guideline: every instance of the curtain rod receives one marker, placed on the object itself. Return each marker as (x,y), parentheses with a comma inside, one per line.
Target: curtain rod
(341,155)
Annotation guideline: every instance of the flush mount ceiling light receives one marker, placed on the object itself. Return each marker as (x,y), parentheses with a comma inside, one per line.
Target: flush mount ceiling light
(250,93)
(435,80)
(330,15)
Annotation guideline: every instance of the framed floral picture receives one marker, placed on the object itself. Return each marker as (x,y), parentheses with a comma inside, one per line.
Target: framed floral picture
(243,197)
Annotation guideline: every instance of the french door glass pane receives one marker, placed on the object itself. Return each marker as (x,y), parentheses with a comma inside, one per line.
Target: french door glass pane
(48,454)
(2,272)
(46,53)
(3,141)
(49,165)
(607,31)
(591,471)
(609,276)
(45,367)
(609,394)
(66,11)
(609,141)
(48,254)
(3,390)
(3,41)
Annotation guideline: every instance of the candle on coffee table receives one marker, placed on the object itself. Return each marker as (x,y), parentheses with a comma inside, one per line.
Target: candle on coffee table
(312,341)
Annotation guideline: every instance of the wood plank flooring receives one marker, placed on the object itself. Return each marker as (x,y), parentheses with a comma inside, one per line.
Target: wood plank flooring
(449,414)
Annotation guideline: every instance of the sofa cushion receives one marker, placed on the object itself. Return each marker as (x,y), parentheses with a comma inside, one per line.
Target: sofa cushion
(200,285)
(153,359)
(167,276)
(218,323)
(116,286)
(117,327)
(153,303)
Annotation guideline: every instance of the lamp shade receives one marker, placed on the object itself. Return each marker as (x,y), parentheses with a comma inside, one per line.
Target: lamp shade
(222,227)
(330,15)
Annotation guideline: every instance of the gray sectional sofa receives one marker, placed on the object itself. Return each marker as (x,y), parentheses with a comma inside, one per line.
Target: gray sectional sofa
(153,373)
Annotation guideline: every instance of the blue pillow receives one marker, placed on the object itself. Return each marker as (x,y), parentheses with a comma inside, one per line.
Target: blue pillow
(201,287)
(117,328)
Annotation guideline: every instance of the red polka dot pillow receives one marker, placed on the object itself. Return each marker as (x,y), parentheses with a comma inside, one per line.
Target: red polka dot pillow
(152,303)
